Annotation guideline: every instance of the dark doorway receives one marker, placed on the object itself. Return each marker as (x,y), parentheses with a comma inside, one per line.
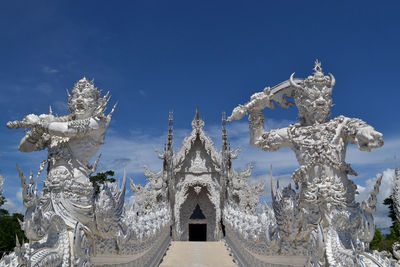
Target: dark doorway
(197,232)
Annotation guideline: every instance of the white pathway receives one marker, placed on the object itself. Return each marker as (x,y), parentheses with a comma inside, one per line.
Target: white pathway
(197,254)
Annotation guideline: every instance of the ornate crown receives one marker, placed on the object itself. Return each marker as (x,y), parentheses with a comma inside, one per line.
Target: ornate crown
(318,80)
(85,85)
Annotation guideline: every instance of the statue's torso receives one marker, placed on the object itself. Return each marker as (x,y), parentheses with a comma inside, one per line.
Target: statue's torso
(68,176)
(321,151)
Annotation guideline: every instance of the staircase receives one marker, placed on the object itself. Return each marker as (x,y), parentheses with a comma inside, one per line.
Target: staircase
(197,254)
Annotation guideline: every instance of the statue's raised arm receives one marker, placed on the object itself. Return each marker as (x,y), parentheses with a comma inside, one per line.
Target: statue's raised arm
(279,94)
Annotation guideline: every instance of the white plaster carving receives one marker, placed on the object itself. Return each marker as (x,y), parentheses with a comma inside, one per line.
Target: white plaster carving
(68,225)
(322,220)
(197,189)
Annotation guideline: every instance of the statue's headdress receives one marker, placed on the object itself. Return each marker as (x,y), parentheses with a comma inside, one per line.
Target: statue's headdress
(316,82)
(87,87)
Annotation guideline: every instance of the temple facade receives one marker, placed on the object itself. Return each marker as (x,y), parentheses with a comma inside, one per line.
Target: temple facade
(196,181)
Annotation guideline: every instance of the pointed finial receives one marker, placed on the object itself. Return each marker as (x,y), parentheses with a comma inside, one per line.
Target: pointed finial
(197,123)
(170,130)
(318,74)
(224,135)
(171,116)
(197,116)
(50,110)
(317,66)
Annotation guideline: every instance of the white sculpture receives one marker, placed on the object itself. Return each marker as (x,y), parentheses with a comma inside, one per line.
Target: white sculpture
(68,225)
(323,217)
(68,194)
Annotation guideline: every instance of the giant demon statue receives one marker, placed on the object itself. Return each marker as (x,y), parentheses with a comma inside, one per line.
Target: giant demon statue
(67,199)
(325,209)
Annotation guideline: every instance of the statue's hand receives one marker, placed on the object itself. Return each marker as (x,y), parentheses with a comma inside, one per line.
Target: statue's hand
(367,138)
(31,120)
(258,102)
(238,113)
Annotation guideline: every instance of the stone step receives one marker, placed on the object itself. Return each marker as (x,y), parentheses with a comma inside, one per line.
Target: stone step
(197,254)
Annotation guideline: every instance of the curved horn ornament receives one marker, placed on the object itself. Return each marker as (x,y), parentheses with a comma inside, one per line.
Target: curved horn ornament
(293,83)
(333,80)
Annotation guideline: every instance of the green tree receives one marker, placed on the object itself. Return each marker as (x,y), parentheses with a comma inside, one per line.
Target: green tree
(100,178)
(9,228)
(386,243)
(376,242)
(2,200)
(392,215)
(2,211)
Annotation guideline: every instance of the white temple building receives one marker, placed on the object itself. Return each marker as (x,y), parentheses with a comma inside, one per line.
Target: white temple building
(199,183)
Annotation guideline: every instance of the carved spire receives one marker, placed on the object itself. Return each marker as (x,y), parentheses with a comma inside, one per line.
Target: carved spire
(224,135)
(170,130)
(197,123)
(197,116)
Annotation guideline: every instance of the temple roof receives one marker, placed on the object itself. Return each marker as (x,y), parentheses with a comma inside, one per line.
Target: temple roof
(188,142)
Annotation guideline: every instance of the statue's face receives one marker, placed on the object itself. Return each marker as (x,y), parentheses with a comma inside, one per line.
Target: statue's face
(313,96)
(82,103)
(315,104)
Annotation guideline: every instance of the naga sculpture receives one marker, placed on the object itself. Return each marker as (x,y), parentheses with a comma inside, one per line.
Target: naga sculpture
(323,216)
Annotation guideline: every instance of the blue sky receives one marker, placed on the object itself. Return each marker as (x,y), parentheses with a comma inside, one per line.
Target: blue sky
(157,56)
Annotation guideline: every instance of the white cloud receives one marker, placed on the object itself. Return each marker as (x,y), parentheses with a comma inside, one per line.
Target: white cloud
(49,70)
(13,207)
(133,153)
(383,155)
(18,195)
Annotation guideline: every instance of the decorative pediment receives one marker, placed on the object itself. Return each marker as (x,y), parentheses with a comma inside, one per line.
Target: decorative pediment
(206,143)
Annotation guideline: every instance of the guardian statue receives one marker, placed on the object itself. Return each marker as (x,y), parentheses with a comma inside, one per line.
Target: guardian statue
(325,213)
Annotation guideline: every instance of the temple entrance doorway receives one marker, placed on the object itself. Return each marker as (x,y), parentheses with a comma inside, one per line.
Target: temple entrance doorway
(197,232)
